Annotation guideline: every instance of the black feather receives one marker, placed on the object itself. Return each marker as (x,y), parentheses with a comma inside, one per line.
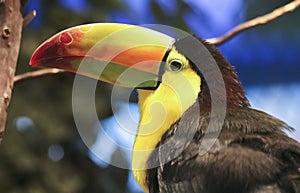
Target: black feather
(251,154)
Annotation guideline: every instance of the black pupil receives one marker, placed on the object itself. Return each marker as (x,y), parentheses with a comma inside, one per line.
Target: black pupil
(175,66)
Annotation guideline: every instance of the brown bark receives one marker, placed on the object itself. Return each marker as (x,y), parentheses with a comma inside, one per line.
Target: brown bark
(10,36)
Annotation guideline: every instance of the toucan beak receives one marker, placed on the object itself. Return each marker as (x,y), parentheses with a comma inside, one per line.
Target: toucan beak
(121,54)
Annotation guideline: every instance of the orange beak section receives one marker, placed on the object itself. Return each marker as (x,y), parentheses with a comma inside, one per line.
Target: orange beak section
(126,55)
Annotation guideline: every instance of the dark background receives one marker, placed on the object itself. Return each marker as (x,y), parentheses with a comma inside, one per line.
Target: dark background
(42,150)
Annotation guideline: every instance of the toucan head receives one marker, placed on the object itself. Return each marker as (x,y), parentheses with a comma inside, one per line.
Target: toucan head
(134,56)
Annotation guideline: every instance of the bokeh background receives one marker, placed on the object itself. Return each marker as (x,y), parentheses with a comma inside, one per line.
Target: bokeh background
(42,151)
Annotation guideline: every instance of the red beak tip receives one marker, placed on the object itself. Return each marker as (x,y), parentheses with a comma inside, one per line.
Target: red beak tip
(34,59)
(47,50)
(32,63)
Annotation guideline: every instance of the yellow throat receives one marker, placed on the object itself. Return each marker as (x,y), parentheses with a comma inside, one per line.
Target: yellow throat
(159,109)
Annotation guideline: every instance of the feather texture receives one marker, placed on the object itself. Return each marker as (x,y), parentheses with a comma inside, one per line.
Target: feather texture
(251,154)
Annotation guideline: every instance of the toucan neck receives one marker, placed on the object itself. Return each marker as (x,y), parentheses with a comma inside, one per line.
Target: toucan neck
(159,109)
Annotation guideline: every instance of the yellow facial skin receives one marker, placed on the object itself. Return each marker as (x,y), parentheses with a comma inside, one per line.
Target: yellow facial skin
(160,108)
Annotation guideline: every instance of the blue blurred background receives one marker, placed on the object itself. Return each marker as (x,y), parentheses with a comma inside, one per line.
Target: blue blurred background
(43,152)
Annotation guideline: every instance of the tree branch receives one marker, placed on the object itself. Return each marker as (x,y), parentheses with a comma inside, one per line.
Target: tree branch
(216,41)
(290,7)
(28,18)
(37,73)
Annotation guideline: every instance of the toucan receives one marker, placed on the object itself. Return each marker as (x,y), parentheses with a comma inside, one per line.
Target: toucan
(197,132)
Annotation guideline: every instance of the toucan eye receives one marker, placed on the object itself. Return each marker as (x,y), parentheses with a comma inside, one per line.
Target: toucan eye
(176,65)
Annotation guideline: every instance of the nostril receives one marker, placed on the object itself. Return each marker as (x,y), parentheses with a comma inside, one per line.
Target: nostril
(66,38)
